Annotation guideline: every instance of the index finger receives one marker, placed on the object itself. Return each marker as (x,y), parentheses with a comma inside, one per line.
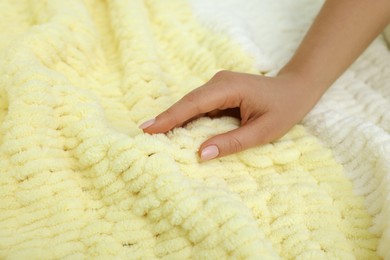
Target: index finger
(197,102)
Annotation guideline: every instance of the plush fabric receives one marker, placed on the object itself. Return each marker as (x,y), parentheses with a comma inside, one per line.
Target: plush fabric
(352,119)
(79,180)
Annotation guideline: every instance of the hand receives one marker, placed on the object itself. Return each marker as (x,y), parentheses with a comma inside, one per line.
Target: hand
(268,108)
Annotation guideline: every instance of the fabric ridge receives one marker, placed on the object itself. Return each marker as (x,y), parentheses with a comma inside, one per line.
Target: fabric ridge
(80,180)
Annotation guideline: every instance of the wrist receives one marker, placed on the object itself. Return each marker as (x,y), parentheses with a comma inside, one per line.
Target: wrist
(304,80)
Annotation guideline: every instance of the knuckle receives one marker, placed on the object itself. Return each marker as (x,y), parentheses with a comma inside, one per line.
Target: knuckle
(235,145)
(229,80)
(222,74)
(191,99)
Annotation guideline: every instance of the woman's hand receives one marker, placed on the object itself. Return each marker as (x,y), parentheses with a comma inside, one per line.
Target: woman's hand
(268,108)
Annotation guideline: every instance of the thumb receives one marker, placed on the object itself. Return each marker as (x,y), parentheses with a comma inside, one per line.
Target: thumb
(249,135)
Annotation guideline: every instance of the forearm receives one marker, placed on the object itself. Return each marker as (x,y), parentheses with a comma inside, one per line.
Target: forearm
(339,34)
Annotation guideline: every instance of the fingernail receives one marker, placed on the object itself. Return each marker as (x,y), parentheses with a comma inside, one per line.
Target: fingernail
(148,123)
(209,152)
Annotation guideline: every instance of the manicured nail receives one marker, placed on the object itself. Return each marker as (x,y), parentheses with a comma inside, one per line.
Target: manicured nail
(209,152)
(148,123)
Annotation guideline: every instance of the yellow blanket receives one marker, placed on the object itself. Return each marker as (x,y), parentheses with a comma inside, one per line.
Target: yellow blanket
(79,180)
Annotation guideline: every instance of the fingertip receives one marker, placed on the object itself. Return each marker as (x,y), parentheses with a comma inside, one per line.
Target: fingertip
(159,124)
(151,126)
(209,152)
(231,142)
(147,124)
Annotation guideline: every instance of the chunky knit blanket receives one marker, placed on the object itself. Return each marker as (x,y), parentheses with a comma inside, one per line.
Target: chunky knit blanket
(79,180)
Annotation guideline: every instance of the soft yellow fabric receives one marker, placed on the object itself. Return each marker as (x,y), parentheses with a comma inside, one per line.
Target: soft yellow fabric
(79,180)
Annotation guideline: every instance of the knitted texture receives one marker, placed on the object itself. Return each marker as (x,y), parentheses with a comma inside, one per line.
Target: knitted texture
(352,118)
(79,180)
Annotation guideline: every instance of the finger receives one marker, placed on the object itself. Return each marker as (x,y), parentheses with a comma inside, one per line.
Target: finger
(259,131)
(198,102)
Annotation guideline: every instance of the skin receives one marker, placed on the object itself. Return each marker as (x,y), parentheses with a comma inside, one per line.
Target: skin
(270,106)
